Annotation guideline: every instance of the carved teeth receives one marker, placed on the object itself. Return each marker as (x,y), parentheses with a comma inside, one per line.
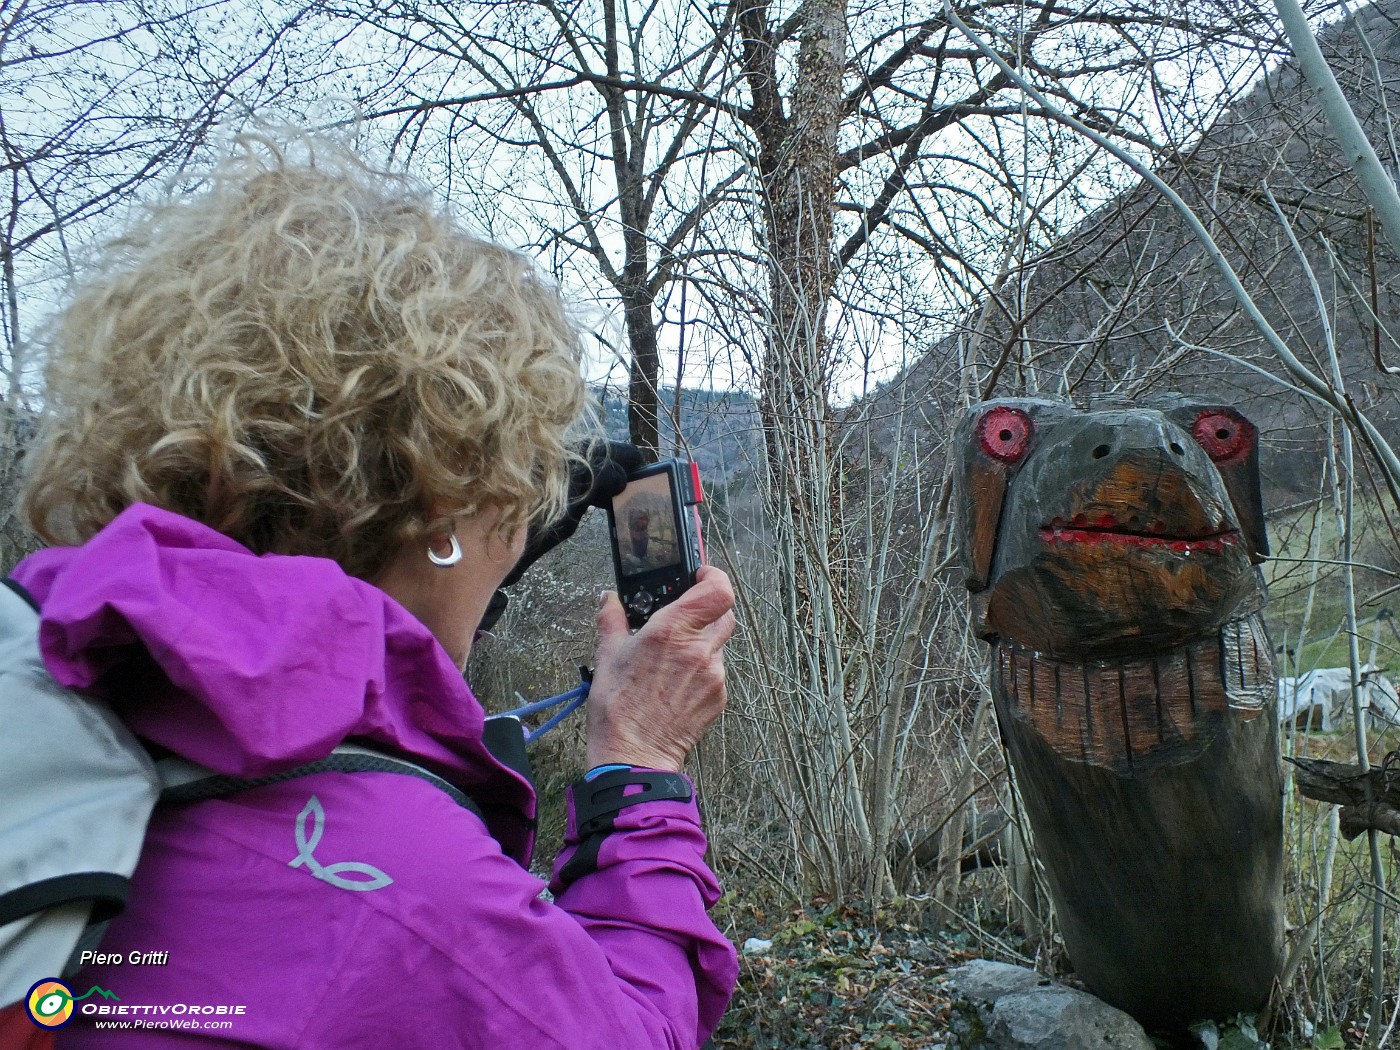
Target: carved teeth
(1121,709)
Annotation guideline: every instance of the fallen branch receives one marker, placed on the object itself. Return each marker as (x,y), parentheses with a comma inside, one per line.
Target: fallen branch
(1369,799)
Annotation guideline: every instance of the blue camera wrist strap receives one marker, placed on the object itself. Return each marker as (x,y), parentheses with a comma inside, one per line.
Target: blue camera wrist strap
(570,701)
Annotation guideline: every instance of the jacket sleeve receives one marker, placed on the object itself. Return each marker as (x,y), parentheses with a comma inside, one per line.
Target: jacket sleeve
(641,892)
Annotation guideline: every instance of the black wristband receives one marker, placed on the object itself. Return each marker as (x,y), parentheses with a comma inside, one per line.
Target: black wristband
(598,799)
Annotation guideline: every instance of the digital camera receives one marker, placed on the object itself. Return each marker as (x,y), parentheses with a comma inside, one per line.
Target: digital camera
(656,545)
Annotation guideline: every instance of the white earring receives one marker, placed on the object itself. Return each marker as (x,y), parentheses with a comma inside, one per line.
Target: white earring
(451,558)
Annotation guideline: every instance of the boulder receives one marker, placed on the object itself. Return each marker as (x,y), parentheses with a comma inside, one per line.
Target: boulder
(1005,1007)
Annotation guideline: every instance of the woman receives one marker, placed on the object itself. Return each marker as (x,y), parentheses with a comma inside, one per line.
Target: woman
(298,423)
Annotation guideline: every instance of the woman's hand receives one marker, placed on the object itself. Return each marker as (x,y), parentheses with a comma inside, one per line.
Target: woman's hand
(655,692)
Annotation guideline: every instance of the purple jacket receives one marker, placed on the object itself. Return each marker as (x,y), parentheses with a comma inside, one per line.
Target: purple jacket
(346,910)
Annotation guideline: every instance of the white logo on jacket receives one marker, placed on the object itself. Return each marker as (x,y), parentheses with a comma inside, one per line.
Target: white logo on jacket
(331,873)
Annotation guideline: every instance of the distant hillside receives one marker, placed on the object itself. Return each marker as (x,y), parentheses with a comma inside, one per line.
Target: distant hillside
(1129,302)
(719,430)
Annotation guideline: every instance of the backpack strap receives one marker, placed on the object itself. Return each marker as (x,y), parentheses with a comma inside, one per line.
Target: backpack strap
(19,589)
(187,782)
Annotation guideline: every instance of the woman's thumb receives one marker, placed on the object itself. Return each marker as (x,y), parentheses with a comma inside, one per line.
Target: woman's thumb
(612,618)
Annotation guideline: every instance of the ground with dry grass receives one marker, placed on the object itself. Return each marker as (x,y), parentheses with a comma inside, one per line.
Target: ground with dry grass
(842,978)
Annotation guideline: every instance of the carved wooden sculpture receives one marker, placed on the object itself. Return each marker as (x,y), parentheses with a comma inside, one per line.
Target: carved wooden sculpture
(1111,557)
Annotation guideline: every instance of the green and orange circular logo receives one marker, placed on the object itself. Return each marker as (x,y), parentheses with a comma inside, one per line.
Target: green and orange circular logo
(50,1003)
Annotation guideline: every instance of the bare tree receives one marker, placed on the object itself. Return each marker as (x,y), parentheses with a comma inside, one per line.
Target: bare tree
(601,124)
(96,101)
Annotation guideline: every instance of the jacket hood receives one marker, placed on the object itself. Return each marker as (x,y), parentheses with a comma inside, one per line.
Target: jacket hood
(253,664)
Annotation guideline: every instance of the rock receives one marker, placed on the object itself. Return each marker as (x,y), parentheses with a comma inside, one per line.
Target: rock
(986,981)
(756,946)
(1006,1007)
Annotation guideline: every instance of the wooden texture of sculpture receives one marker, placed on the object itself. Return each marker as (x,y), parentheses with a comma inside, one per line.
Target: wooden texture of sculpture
(1111,555)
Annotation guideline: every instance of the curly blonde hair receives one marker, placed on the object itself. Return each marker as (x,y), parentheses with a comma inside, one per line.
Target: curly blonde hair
(308,356)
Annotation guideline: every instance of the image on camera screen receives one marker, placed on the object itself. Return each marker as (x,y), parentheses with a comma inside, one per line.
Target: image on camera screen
(646,526)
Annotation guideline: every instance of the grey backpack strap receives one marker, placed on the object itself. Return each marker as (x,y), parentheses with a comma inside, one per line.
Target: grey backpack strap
(187,782)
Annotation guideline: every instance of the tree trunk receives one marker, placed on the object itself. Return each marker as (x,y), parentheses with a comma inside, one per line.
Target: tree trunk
(797,161)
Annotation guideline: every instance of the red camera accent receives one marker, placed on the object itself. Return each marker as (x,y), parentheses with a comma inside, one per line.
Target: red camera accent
(1225,435)
(1005,433)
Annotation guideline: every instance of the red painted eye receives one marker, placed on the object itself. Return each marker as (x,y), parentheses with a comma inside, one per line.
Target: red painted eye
(1223,434)
(1005,433)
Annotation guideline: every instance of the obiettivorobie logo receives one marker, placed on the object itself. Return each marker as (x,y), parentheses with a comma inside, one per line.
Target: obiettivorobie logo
(50,1002)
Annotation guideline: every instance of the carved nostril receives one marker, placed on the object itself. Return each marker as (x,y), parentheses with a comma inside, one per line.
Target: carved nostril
(1101,451)
(1177,449)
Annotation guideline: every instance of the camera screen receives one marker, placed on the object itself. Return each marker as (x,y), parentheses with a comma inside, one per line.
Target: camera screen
(646,526)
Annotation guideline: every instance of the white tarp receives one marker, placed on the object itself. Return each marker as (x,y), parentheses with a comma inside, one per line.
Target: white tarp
(1322,698)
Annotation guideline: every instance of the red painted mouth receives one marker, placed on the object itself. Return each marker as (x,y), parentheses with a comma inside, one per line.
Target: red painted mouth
(1106,531)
